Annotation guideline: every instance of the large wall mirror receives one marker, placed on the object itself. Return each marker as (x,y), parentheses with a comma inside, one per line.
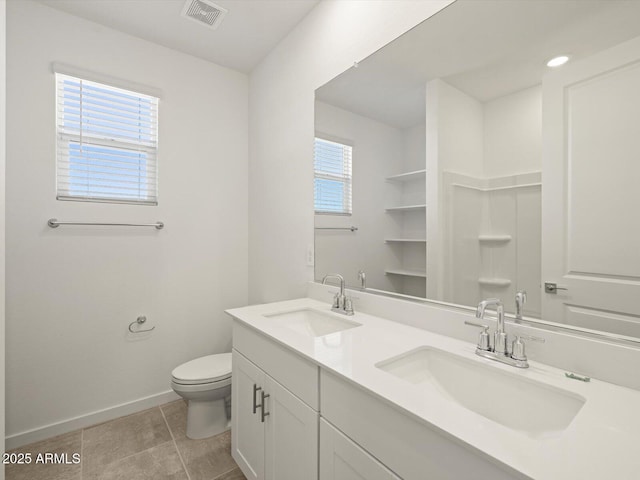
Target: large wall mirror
(455,165)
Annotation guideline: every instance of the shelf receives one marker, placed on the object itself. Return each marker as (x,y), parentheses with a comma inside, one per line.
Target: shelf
(494,238)
(406,208)
(494,282)
(406,273)
(407,177)
(405,240)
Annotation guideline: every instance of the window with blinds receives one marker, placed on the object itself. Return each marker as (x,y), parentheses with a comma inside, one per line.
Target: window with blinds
(107,143)
(332,180)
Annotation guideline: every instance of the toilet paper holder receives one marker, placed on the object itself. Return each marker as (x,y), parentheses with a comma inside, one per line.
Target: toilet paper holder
(139,321)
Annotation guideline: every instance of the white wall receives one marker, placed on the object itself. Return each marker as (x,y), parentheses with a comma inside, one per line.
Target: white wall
(415,149)
(281,97)
(72,291)
(513,133)
(454,145)
(460,131)
(2,217)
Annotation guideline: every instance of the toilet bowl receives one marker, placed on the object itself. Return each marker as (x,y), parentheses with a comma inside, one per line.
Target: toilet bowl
(206,383)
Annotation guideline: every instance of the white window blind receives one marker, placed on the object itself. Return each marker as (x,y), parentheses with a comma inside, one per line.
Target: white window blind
(332,182)
(107,143)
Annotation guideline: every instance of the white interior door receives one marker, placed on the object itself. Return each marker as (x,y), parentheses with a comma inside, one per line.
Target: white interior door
(591,191)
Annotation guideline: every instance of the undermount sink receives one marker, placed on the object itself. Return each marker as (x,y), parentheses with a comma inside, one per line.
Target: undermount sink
(521,404)
(312,323)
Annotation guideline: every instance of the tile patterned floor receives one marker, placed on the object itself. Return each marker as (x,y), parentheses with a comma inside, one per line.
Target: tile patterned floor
(150,445)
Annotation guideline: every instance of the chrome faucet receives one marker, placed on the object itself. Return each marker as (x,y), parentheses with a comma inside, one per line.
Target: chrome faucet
(521,299)
(500,337)
(341,303)
(499,351)
(363,279)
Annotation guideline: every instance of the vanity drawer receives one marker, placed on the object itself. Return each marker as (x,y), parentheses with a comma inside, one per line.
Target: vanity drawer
(406,446)
(341,458)
(297,374)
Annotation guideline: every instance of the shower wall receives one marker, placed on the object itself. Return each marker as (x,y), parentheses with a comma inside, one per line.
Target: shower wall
(486,203)
(495,239)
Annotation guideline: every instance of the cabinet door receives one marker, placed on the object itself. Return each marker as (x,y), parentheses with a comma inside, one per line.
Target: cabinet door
(342,459)
(247,433)
(291,436)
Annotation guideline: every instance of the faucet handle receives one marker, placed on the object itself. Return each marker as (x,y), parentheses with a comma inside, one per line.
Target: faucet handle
(336,300)
(341,300)
(363,279)
(517,347)
(348,306)
(521,299)
(484,342)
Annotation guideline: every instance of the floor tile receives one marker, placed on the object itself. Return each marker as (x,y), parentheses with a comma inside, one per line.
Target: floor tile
(157,463)
(235,474)
(68,444)
(123,437)
(208,458)
(176,415)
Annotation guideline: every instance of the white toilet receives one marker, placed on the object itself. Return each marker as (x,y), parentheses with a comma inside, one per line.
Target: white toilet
(206,383)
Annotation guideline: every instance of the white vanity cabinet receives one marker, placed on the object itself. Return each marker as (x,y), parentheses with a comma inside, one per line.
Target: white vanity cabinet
(278,433)
(412,450)
(274,432)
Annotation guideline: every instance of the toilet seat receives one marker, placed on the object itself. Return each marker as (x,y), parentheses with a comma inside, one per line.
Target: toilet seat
(210,387)
(211,369)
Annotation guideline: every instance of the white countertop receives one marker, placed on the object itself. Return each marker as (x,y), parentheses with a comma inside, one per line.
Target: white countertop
(602,441)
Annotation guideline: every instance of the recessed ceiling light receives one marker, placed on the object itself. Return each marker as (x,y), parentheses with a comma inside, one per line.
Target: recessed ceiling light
(557,61)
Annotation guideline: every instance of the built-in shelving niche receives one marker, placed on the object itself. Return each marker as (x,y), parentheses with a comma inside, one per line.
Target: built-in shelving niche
(406,272)
(408,176)
(405,208)
(406,260)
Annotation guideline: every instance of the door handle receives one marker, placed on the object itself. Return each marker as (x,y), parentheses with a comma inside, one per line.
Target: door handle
(263,414)
(553,287)
(255,401)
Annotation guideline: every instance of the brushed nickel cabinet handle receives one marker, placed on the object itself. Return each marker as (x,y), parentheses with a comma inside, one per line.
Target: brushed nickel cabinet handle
(262,405)
(255,401)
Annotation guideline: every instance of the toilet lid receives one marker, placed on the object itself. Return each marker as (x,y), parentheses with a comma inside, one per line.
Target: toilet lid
(211,368)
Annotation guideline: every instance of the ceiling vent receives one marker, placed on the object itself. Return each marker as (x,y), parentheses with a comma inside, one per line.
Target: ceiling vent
(204,12)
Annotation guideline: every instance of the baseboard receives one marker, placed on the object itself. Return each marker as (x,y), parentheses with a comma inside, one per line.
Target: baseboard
(83,421)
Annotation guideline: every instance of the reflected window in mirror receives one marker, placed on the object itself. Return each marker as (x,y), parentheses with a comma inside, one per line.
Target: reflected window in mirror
(332,177)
